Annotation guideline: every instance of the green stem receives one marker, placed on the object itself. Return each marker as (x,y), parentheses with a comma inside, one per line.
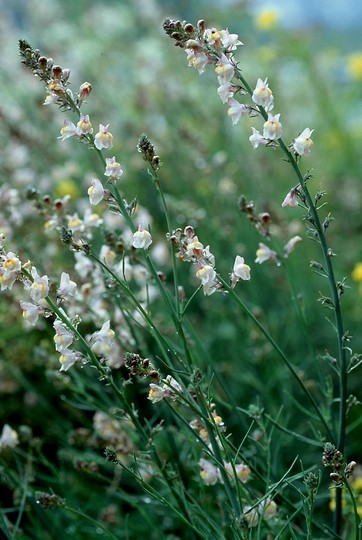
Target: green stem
(276,347)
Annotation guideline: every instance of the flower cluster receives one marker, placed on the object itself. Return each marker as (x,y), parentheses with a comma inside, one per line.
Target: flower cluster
(190,249)
(169,390)
(210,473)
(205,46)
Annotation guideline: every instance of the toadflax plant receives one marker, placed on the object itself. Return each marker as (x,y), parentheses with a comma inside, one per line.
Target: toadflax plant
(169,436)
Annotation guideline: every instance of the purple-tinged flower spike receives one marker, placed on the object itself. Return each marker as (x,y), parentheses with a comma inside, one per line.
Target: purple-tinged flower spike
(240,271)
(303,143)
(272,128)
(103,139)
(263,96)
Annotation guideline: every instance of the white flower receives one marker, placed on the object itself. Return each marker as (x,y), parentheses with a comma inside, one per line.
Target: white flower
(9,438)
(10,270)
(63,337)
(84,127)
(207,276)
(303,142)
(240,271)
(256,138)
(30,312)
(263,96)
(290,246)
(40,287)
(67,286)
(96,192)
(291,198)
(68,130)
(197,59)
(224,70)
(68,359)
(264,253)
(156,393)
(225,91)
(209,472)
(102,341)
(142,239)
(272,128)
(230,41)
(103,139)
(113,168)
(236,109)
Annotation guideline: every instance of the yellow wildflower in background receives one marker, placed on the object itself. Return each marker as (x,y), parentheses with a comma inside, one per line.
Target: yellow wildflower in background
(357,272)
(354,65)
(266,19)
(67,187)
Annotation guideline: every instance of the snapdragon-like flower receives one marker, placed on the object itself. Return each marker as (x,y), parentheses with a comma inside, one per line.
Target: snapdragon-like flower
(240,271)
(10,270)
(68,130)
(30,312)
(264,253)
(197,59)
(209,472)
(84,91)
(256,138)
(303,143)
(263,96)
(168,390)
(84,127)
(224,70)
(236,109)
(67,286)
(230,41)
(243,472)
(96,192)
(113,168)
(68,359)
(102,341)
(272,128)
(103,139)
(40,287)
(63,337)
(207,275)
(9,438)
(142,239)
(225,91)
(291,198)
(290,245)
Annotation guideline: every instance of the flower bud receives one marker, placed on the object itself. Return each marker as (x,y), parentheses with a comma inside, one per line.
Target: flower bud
(84,91)
(57,72)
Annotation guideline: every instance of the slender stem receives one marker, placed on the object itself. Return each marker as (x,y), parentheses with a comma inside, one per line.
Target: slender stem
(327,254)
(276,347)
